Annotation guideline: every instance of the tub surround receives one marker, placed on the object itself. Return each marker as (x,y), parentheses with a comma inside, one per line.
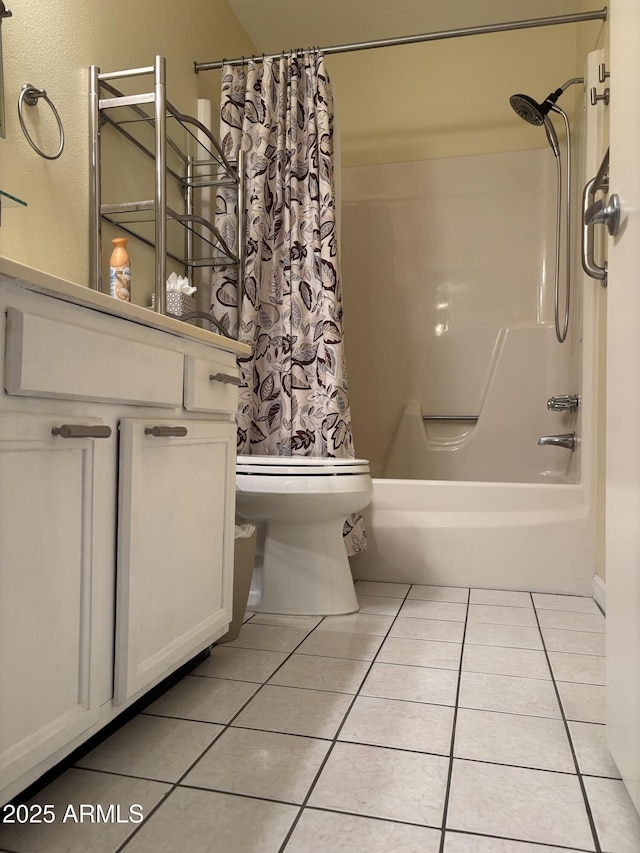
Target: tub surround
(117,504)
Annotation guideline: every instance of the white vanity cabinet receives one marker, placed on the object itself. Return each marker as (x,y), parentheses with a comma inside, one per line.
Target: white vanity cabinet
(50,499)
(117,505)
(173,592)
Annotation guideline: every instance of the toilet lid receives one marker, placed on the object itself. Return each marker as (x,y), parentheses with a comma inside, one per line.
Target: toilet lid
(307,466)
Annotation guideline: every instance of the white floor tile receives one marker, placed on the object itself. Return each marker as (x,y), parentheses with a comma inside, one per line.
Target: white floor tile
(307,623)
(68,834)
(357,623)
(568,621)
(333,645)
(509,694)
(586,669)
(379,782)
(413,683)
(579,604)
(499,615)
(514,788)
(270,638)
(331,832)
(617,821)
(420,653)
(210,700)
(534,805)
(506,598)
(240,664)
(584,703)
(503,660)
(428,629)
(592,752)
(430,609)
(522,741)
(403,725)
(152,747)
(290,710)
(439,593)
(320,673)
(392,590)
(260,764)
(517,636)
(464,843)
(208,822)
(575,642)
(378,605)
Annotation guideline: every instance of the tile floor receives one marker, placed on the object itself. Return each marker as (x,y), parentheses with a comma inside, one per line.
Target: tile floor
(436,720)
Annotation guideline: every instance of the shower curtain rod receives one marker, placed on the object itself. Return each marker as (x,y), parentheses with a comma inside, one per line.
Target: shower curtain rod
(578,17)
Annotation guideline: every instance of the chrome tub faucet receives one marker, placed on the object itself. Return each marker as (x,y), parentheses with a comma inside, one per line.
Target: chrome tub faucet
(567,439)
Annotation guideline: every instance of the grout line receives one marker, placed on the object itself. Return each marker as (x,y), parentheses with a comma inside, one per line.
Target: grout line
(453,733)
(543,844)
(336,736)
(583,789)
(225,727)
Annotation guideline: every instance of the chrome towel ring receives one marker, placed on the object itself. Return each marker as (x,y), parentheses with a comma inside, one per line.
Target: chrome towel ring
(30,95)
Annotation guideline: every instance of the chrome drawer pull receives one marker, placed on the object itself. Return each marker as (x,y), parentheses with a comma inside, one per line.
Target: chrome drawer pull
(81,431)
(162,431)
(226,378)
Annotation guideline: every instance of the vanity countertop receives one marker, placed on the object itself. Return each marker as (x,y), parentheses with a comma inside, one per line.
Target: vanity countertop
(59,288)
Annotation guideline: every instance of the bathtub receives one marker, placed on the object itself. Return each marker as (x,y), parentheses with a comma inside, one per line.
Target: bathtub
(518,536)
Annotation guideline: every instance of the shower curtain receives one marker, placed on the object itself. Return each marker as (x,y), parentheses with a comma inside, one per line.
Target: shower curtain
(293,399)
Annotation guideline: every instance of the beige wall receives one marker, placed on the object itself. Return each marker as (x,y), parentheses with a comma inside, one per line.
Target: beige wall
(51,45)
(451,98)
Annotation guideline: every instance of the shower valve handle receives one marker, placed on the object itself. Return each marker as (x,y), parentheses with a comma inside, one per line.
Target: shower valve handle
(564,403)
(605,213)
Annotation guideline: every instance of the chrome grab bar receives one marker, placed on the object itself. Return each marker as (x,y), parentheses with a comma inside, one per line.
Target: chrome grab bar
(598,184)
(592,269)
(603,213)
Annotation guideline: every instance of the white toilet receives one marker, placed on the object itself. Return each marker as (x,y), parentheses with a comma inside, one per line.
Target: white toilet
(299,505)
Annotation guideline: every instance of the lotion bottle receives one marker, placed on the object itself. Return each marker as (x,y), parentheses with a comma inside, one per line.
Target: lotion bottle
(120,270)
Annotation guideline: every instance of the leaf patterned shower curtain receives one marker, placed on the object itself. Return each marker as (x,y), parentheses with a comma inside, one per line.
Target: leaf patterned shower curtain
(294,398)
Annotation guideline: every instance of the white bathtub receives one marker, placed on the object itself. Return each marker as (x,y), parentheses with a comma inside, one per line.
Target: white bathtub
(520,536)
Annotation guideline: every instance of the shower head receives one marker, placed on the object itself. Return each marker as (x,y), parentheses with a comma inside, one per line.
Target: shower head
(530,110)
(537,114)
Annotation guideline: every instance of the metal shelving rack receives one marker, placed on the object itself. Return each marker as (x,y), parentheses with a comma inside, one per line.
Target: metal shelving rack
(182,150)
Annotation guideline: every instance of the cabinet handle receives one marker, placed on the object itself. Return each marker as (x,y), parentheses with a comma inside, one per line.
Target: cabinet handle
(225,378)
(161,431)
(81,431)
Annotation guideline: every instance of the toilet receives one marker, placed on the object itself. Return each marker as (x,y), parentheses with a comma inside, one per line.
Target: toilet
(299,505)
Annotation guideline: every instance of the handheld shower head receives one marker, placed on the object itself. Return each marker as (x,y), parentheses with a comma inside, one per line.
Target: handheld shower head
(537,114)
(552,136)
(530,110)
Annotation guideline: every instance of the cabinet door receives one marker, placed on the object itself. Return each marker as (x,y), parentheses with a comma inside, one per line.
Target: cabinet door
(49,500)
(175,545)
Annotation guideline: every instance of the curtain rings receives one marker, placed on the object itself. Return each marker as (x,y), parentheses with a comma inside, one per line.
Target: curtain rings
(30,95)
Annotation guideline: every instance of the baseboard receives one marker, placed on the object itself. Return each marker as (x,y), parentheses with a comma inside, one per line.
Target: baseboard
(600,593)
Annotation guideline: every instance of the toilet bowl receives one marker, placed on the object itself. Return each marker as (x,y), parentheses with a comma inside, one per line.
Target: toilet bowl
(299,506)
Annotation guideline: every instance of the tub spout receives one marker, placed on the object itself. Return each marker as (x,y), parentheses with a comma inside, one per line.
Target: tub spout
(567,439)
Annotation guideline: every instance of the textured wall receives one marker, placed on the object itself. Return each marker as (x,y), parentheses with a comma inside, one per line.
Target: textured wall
(52,45)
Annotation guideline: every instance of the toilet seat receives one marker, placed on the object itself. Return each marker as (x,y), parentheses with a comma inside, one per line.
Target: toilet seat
(307,466)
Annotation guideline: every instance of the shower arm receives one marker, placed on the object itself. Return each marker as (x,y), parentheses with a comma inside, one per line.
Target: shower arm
(571,82)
